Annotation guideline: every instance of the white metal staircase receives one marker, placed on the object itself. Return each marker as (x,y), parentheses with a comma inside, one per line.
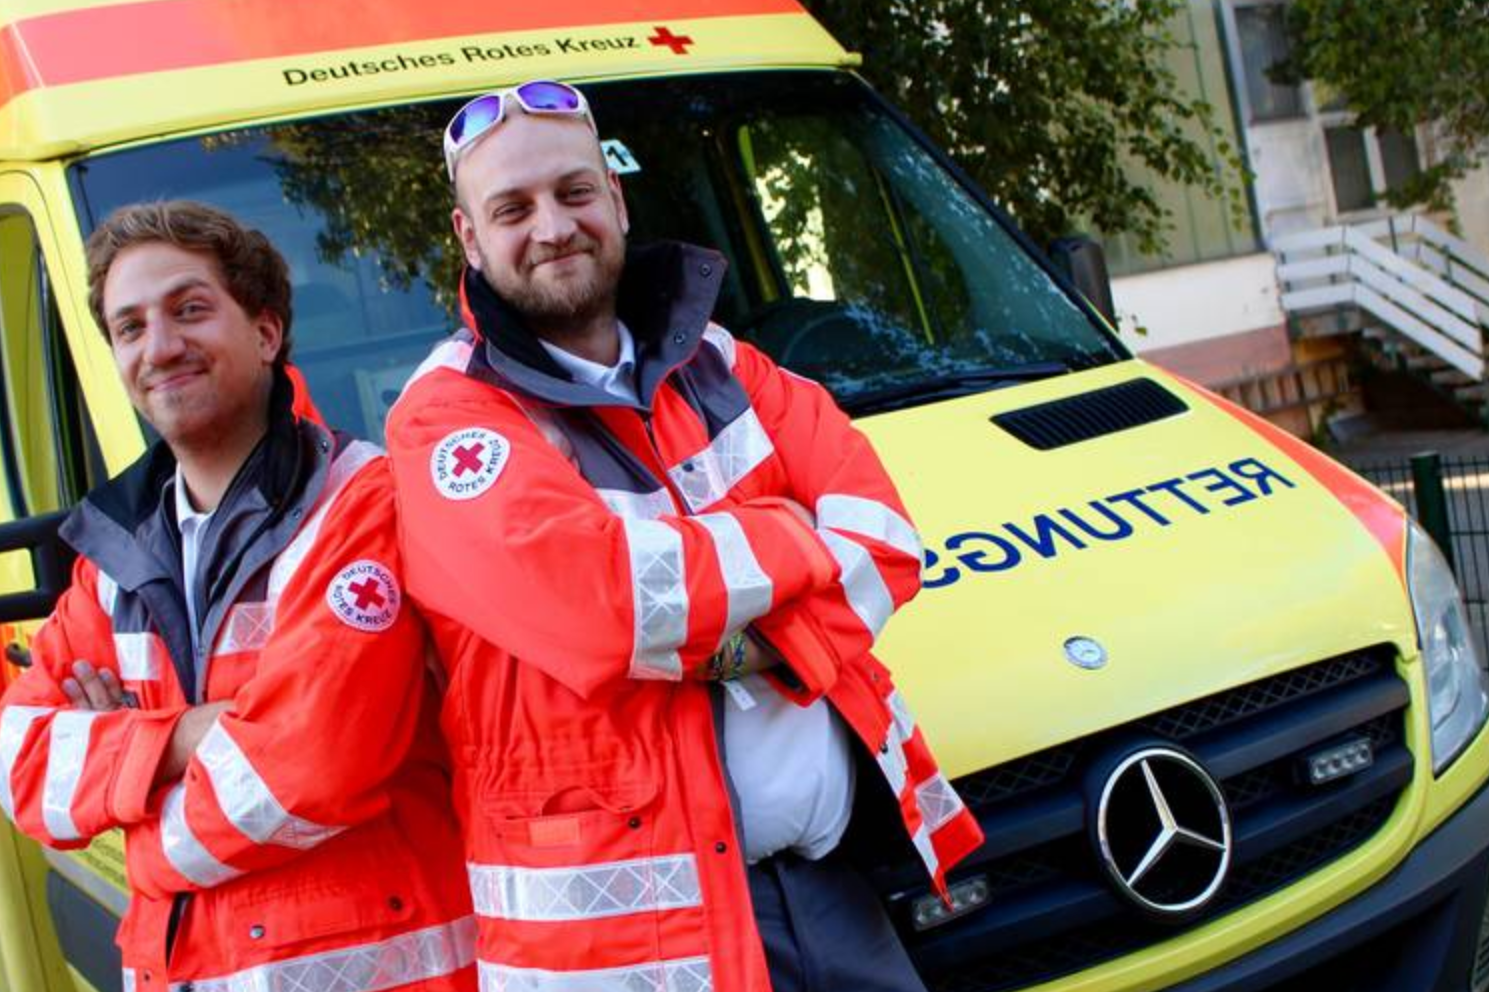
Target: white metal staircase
(1417,290)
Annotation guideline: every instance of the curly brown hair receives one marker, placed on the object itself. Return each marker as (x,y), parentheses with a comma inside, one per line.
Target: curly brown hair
(254,272)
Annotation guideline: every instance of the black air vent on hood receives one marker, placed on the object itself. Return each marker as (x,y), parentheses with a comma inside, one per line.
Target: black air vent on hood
(1094,414)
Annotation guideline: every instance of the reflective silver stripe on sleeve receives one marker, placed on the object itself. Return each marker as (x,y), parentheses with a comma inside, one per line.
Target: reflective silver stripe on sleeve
(871,519)
(750,589)
(67,752)
(682,975)
(659,597)
(139,656)
(246,799)
(245,628)
(182,849)
(108,592)
(709,475)
(416,956)
(891,757)
(453,352)
(867,594)
(722,340)
(15,722)
(642,506)
(347,464)
(927,850)
(893,763)
(938,802)
(589,892)
(547,425)
(904,720)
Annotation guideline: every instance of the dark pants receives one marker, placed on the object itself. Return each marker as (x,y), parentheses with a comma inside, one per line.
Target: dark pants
(825,930)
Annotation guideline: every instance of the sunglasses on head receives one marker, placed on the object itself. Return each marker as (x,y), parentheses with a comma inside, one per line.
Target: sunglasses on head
(540,96)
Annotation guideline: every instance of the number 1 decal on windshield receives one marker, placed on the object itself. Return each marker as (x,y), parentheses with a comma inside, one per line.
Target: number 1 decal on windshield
(619,157)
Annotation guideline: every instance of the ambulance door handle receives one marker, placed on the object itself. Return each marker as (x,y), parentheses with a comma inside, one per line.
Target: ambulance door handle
(51,564)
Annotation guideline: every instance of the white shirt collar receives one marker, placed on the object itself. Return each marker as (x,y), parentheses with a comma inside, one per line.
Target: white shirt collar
(185,512)
(618,380)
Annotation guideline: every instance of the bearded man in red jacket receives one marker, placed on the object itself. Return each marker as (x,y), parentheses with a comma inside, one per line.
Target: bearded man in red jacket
(654,564)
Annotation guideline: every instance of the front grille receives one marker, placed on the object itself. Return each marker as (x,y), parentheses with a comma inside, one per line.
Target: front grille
(1183,722)
(1051,912)
(1070,951)
(1046,426)
(1014,778)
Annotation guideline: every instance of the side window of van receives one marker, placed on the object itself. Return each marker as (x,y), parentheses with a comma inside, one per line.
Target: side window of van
(49,456)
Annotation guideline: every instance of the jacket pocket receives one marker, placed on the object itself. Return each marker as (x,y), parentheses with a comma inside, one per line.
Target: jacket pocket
(608,820)
(580,855)
(291,916)
(350,890)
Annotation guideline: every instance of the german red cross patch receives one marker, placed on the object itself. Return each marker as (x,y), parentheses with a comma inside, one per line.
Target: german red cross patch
(467,462)
(364,595)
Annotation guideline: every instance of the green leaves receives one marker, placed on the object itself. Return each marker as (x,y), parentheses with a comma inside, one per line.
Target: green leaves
(1400,64)
(1056,107)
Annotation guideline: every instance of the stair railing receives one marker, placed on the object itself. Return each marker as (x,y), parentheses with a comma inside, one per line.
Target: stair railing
(1432,289)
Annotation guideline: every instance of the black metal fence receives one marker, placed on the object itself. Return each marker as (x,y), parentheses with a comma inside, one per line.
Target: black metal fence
(1449,497)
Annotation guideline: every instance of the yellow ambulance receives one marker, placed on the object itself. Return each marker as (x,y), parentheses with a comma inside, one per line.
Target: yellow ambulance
(1214,700)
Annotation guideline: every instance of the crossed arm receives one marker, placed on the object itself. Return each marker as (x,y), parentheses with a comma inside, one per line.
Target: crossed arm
(98,690)
(213,791)
(814,570)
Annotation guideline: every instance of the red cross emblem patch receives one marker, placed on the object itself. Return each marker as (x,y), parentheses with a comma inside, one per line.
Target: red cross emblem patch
(467,462)
(364,595)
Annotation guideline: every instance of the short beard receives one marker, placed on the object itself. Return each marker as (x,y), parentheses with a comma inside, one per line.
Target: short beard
(568,307)
(194,431)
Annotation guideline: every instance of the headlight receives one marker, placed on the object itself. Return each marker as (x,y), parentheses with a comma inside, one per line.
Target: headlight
(1457,686)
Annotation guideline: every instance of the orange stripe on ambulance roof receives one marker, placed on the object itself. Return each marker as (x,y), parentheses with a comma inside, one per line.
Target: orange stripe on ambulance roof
(157,35)
(1385,520)
(16,74)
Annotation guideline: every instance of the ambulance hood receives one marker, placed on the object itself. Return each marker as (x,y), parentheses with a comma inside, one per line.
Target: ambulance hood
(1199,551)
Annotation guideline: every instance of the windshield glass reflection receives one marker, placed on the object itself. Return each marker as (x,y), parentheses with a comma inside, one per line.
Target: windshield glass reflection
(856,259)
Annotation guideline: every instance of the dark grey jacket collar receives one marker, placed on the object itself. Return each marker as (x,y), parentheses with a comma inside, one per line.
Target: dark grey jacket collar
(127,527)
(666,296)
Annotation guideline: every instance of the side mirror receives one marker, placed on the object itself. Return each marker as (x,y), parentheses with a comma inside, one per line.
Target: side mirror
(1084,263)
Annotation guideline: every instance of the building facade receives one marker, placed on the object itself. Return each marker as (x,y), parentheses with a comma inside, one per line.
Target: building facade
(1283,307)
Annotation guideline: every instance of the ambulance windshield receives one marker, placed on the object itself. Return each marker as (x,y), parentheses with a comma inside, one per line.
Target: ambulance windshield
(855,258)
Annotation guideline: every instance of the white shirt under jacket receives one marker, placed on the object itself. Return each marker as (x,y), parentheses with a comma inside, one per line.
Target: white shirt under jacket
(192,523)
(791,766)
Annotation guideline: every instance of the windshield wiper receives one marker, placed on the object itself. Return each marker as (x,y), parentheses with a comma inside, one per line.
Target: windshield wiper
(948,386)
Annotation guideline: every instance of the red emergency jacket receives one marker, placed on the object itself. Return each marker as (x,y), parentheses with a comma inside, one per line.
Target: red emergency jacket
(577,557)
(310,844)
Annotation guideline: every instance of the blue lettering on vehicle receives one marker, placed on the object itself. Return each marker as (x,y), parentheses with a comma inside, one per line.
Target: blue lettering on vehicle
(1117,517)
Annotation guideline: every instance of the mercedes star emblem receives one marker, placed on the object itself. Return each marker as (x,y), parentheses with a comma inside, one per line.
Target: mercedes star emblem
(1163,832)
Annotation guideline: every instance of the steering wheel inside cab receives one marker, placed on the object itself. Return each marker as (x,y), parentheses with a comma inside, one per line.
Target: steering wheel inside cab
(825,339)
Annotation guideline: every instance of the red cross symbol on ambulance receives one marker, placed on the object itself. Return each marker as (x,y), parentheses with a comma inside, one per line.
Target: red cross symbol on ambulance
(677,42)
